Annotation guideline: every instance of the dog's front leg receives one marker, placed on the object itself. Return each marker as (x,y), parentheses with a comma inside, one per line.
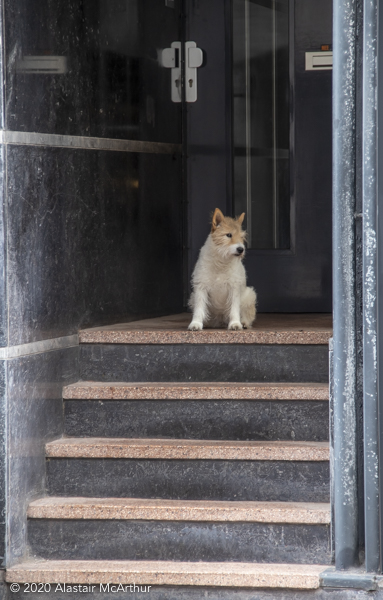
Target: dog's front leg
(235,311)
(199,309)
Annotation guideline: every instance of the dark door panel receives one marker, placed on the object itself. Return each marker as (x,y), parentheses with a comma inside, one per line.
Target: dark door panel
(287,189)
(265,148)
(209,120)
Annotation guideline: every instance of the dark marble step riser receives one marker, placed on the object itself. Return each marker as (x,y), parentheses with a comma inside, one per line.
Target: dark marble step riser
(190,479)
(199,362)
(199,593)
(199,419)
(181,541)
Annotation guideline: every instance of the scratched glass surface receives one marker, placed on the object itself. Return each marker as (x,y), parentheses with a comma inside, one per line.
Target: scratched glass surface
(91,68)
(261,120)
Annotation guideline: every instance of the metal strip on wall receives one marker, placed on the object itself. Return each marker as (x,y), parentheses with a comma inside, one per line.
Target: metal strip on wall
(87,143)
(59,343)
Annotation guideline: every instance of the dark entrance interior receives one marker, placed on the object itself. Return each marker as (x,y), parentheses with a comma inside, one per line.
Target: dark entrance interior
(108,180)
(260,141)
(111,183)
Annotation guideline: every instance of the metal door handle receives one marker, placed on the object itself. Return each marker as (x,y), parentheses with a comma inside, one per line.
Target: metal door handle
(193,60)
(171,59)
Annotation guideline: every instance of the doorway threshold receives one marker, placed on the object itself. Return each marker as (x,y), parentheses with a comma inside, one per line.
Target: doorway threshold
(269,328)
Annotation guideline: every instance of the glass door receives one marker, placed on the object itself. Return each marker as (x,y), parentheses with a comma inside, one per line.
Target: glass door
(261,120)
(259,141)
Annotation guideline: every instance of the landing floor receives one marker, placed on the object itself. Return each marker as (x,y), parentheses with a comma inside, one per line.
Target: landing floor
(268,329)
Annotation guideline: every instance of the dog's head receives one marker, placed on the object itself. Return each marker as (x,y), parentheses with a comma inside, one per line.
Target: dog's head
(228,235)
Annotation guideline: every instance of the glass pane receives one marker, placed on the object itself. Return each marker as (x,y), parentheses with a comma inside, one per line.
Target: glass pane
(110,83)
(262,120)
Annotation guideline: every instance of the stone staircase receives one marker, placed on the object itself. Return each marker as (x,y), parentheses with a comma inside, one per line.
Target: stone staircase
(193,462)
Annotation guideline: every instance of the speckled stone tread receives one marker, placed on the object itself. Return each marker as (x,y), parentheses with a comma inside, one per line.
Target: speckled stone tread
(91,390)
(179,510)
(224,574)
(186,449)
(268,329)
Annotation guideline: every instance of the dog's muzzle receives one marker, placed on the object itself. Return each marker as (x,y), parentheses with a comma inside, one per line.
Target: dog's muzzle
(240,250)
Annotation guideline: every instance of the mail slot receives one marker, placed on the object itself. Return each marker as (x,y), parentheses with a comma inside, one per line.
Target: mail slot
(318,61)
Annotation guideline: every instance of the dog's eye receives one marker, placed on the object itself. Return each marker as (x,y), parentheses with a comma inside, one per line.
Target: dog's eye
(229,235)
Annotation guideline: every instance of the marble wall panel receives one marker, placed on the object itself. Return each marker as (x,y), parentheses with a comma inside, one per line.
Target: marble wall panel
(112,84)
(3,459)
(3,230)
(93,237)
(35,416)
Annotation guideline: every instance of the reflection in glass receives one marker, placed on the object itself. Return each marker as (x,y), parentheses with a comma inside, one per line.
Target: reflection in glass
(91,68)
(261,120)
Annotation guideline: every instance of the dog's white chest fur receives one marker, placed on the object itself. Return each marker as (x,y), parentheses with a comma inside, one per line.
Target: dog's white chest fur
(218,276)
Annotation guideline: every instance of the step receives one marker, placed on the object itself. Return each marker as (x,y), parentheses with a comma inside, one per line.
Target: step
(280,348)
(314,513)
(88,539)
(94,390)
(115,528)
(173,329)
(204,362)
(169,573)
(218,411)
(186,449)
(204,470)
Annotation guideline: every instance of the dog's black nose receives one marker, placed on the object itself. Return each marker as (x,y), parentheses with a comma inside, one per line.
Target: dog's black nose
(239,249)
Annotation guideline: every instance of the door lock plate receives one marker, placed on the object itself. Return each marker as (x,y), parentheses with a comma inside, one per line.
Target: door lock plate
(170,58)
(193,60)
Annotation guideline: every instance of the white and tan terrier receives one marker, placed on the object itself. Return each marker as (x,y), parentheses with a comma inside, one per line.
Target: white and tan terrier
(220,295)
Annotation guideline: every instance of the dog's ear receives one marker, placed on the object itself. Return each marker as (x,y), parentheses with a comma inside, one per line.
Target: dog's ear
(218,217)
(240,219)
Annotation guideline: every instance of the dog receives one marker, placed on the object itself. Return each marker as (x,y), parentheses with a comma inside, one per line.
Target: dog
(220,295)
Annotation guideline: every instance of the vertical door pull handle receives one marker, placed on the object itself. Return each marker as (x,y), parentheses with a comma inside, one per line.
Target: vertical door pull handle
(171,59)
(193,60)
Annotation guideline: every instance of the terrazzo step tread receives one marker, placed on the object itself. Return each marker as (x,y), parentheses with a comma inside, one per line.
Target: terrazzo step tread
(93,390)
(267,329)
(220,574)
(179,510)
(187,449)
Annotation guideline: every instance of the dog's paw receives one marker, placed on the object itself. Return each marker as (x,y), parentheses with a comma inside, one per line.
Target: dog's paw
(195,326)
(235,325)
(244,325)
